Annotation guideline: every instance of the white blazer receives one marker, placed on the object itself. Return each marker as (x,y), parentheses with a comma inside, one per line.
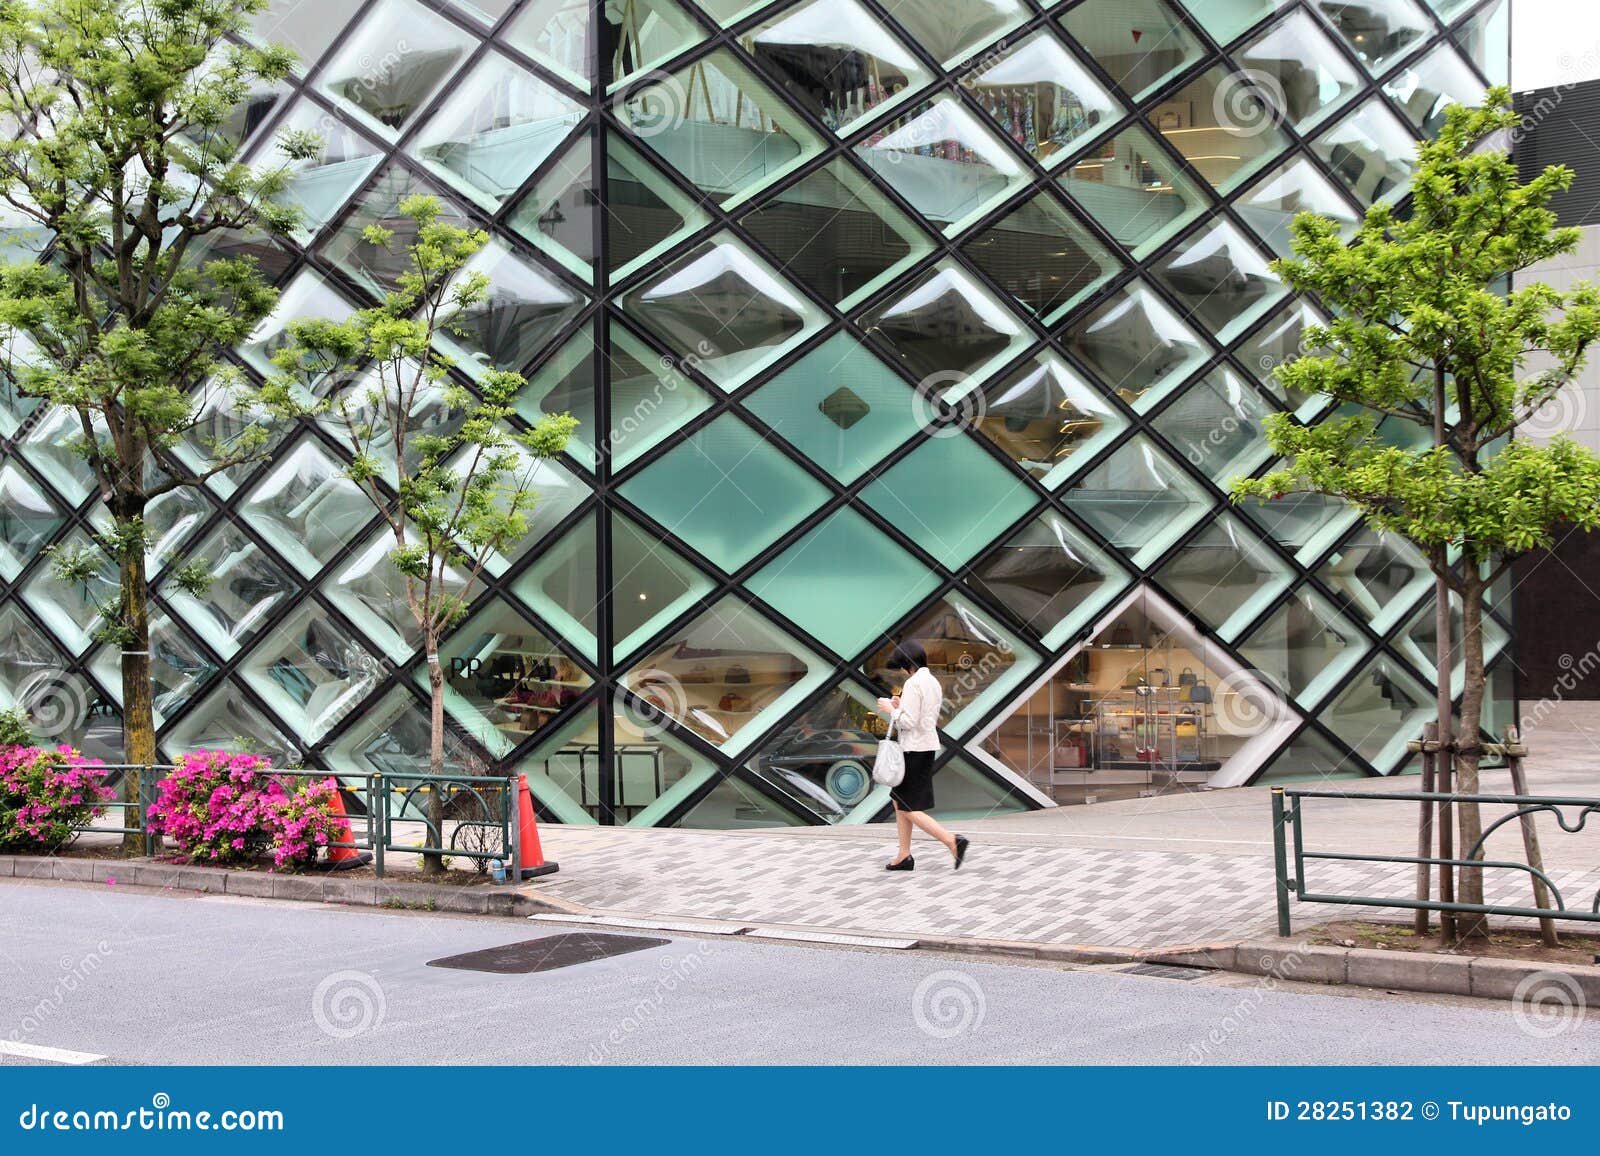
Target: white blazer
(916,723)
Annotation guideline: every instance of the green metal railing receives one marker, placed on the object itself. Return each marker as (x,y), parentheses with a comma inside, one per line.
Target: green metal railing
(482,803)
(1288,832)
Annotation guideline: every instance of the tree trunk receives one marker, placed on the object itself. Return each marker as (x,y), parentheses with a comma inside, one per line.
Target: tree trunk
(1471,926)
(434,864)
(138,712)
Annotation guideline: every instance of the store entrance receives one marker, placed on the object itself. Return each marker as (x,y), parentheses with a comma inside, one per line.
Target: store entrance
(1144,706)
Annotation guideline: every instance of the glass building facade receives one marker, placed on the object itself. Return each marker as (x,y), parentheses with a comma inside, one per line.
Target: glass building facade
(940,319)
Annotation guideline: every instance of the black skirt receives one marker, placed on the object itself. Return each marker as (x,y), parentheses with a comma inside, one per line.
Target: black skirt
(915,792)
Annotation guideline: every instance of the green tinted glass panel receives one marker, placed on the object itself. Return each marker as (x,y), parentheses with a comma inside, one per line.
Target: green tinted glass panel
(1138,347)
(650,397)
(1139,499)
(1139,42)
(1047,418)
(1381,710)
(1217,425)
(1305,646)
(1134,189)
(947,329)
(1051,576)
(561,585)
(1309,759)
(651,584)
(1226,575)
(1041,255)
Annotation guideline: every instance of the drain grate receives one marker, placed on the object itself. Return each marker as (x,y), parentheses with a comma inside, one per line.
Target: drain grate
(1167,971)
(547,953)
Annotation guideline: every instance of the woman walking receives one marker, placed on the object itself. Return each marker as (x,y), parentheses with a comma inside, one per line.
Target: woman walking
(915,713)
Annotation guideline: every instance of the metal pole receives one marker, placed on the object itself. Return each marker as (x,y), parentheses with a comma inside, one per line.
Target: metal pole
(513,797)
(1530,836)
(378,804)
(1430,742)
(1280,862)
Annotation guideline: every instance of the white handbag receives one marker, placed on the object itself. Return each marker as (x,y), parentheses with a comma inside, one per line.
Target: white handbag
(889,767)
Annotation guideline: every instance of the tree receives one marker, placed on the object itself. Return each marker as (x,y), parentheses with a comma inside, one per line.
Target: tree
(119,153)
(450,477)
(1425,332)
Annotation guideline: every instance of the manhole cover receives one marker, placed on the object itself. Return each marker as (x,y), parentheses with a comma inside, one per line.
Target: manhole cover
(1167,971)
(547,954)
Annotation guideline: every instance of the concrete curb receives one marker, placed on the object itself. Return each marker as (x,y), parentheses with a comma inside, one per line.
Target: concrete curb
(485,900)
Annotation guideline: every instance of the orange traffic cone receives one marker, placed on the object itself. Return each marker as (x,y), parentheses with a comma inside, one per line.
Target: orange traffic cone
(530,856)
(343,858)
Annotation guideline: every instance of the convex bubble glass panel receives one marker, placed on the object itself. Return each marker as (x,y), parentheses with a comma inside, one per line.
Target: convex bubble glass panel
(1047,419)
(1134,190)
(1038,94)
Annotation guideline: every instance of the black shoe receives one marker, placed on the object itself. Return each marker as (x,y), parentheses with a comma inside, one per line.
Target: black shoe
(961,850)
(906,864)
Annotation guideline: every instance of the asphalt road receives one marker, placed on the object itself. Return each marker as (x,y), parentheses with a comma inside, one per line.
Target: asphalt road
(87,971)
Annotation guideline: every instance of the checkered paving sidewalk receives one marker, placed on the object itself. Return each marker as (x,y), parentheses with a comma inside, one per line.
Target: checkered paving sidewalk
(1050,893)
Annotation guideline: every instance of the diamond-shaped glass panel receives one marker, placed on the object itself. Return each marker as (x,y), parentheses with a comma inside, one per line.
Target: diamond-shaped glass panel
(247,588)
(1376,577)
(950,497)
(306,508)
(645,212)
(227,720)
(840,406)
(1425,89)
(1042,98)
(71,610)
(318,186)
(651,584)
(564,383)
(953,31)
(557,492)
(1305,646)
(1139,42)
(1226,575)
(947,327)
(1372,152)
(725,307)
(651,398)
(1218,425)
(1277,342)
(1305,76)
(378,268)
(305,298)
(1048,419)
(1381,710)
(1221,279)
(835,232)
(836,60)
(497,126)
(823,759)
(644,33)
(557,34)
(1051,576)
(1225,124)
(29,661)
(397,59)
(944,161)
(725,491)
(558,214)
(1139,499)
(1225,20)
(391,737)
(52,445)
(1309,758)
(1379,32)
(29,517)
(844,581)
(561,585)
(723,129)
(1304,524)
(1294,187)
(1134,190)
(311,671)
(1043,257)
(1137,346)
(726,674)
(524,309)
(179,668)
(370,591)
(306,28)
(1418,641)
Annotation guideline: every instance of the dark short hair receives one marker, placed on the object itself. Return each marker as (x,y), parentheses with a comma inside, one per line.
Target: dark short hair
(909,655)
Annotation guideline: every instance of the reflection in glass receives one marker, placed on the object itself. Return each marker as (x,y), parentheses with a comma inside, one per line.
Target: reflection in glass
(378,268)
(644,212)
(823,759)
(565,384)
(246,588)
(305,298)
(1305,69)
(523,310)
(1139,500)
(399,56)
(52,444)
(1048,419)
(318,186)
(1310,758)
(1486,40)
(1372,152)
(840,406)
(1433,84)
(306,28)
(1376,577)
(737,802)
(179,668)
(311,671)
(1226,19)
(1381,710)
(556,34)
(719,126)
(1294,187)
(1134,190)
(71,611)
(725,306)
(1304,524)
(725,491)
(1051,576)
(371,592)
(836,60)
(306,508)
(1306,645)
(950,496)
(950,32)
(651,398)
(1225,124)
(1137,346)
(1139,42)
(1379,32)
(226,720)
(1279,341)
(1217,425)
(641,34)
(944,161)
(392,737)
(1221,278)
(1043,257)
(562,587)
(947,327)
(843,582)
(498,125)
(1418,641)
(29,517)
(1226,575)
(558,212)
(726,674)
(1042,98)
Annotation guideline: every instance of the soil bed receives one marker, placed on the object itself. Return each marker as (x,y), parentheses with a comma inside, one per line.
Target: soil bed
(1506,942)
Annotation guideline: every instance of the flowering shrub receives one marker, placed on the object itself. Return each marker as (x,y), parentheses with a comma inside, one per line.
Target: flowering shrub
(219,807)
(46,793)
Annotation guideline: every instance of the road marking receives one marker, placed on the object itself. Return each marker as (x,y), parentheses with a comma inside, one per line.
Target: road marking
(49,1055)
(707,928)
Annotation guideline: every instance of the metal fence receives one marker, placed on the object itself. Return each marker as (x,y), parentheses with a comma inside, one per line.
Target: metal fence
(1288,848)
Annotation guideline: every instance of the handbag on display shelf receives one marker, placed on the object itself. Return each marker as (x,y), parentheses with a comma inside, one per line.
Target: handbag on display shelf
(1187,676)
(889,766)
(1199,692)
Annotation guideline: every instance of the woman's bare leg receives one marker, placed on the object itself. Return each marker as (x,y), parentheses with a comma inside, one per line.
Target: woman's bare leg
(929,824)
(902,826)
